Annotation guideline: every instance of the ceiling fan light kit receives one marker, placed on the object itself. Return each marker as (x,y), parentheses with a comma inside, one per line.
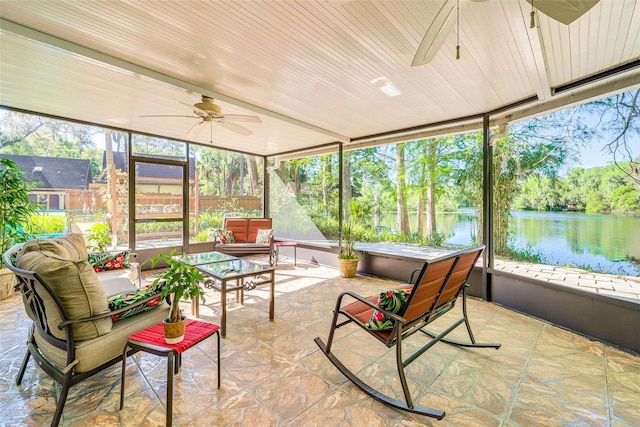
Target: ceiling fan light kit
(207,106)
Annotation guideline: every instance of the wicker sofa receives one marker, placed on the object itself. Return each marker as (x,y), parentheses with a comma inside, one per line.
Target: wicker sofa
(246,235)
(78,326)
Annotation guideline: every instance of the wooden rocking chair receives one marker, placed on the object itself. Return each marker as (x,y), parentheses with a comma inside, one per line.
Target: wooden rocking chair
(435,293)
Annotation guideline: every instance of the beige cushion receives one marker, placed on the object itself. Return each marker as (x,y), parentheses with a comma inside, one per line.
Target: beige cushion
(93,353)
(62,264)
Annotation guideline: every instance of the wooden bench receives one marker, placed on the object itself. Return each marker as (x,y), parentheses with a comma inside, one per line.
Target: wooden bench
(245,232)
(434,294)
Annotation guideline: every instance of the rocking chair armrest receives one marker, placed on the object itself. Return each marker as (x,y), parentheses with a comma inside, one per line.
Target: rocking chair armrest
(65,323)
(394,316)
(417,270)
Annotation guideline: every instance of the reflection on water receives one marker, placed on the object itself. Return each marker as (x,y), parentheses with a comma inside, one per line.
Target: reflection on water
(561,238)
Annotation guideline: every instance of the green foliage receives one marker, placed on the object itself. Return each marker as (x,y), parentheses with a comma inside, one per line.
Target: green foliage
(211,219)
(359,210)
(348,241)
(180,280)
(100,236)
(158,227)
(436,239)
(632,259)
(204,236)
(526,254)
(47,223)
(604,189)
(16,207)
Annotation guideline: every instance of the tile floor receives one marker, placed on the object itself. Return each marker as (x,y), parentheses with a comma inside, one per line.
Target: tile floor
(274,375)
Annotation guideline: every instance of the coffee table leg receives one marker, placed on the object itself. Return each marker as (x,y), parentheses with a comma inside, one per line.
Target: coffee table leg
(218,338)
(272,295)
(223,296)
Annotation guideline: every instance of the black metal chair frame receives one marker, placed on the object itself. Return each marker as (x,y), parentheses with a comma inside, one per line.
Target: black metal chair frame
(31,286)
(452,273)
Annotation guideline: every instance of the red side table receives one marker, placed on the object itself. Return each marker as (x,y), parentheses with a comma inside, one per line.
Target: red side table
(293,245)
(151,340)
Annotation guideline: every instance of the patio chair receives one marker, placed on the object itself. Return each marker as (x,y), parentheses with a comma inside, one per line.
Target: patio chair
(75,333)
(434,293)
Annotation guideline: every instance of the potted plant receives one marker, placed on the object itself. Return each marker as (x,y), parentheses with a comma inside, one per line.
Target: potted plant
(15,209)
(182,282)
(349,256)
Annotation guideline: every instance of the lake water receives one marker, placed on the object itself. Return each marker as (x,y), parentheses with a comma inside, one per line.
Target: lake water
(561,238)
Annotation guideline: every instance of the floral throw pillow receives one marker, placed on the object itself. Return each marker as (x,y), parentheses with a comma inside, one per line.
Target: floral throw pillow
(391,300)
(103,261)
(131,297)
(264,236)
(225,236)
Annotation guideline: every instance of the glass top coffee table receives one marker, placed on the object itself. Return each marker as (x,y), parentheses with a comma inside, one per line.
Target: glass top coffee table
(237,275)
(203,258)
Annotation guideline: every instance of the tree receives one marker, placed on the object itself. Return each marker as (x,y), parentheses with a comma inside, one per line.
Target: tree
(619,124)
(252,169)
(31,135)
(403,215)
(18,127)
(430,169)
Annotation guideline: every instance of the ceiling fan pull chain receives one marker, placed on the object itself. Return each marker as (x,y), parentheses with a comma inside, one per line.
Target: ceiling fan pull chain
(458,29)
(532,24)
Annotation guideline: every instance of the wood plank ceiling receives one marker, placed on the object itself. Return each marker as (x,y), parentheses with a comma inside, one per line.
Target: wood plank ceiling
(316,72)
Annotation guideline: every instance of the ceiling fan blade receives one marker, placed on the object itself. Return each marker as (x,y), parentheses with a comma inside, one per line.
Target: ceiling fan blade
(565,11)
(168,115)
(196,129)
(234,127)
(436,34)
(243,118)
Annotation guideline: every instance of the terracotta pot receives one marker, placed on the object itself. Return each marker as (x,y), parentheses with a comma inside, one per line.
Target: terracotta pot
(348,267)
(174,331)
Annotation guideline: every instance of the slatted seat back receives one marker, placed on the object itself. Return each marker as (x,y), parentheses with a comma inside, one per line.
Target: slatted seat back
(431,280)
(466,260)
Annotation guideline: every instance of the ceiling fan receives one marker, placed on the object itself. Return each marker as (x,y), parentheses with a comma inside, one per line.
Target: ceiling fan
(209,112)
(565,11)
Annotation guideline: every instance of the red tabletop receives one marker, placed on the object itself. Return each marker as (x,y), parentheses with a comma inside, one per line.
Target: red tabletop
(195,332)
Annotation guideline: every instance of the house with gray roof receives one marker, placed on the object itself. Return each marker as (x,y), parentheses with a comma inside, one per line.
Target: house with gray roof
(55,178)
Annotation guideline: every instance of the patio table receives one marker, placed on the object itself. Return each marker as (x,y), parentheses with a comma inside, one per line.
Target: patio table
(246,275)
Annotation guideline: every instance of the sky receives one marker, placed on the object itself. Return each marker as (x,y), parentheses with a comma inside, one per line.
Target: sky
(596,156)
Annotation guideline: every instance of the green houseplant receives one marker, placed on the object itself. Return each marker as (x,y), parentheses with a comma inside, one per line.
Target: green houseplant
(15,209)
(182,282)
(349,256)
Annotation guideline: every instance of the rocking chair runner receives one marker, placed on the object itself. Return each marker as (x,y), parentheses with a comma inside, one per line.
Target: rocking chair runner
(434,294)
